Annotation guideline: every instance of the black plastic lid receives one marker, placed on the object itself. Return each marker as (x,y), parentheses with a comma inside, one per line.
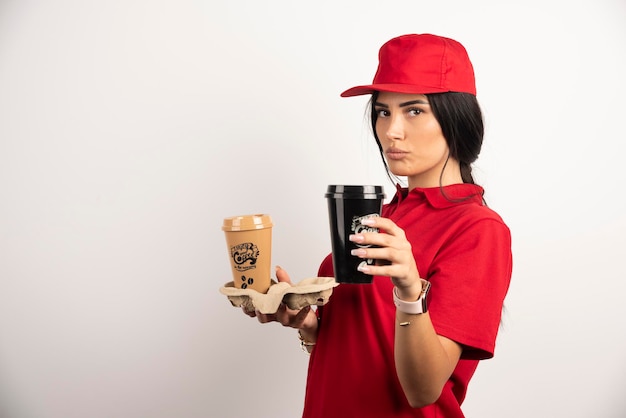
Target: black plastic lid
(355,192)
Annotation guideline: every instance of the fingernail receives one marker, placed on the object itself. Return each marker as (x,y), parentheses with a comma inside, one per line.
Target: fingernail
(358,252)
(368,221)
(356,238)
(279,268)
(363,267)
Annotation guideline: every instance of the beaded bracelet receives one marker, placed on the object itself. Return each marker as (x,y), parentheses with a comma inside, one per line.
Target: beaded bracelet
(305,345)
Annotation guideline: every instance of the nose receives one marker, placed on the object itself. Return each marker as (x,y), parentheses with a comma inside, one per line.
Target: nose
(395,129)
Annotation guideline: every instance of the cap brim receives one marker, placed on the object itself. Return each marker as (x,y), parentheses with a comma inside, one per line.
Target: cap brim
(393,88)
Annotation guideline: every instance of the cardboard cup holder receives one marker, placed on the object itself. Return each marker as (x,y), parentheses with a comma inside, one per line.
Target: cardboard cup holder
(311,291)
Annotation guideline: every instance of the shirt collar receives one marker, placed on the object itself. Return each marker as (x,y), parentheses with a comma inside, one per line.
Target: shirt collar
(442,197)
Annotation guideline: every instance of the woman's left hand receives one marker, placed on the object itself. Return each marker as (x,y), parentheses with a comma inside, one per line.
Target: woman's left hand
(393,253)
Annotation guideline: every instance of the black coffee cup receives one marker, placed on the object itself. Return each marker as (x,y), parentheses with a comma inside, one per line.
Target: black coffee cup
(347,206)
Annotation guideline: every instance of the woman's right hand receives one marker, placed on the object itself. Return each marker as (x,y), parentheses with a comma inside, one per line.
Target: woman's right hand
(304,319)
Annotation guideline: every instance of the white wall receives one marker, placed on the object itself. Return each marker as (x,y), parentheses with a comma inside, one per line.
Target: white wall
(129,129)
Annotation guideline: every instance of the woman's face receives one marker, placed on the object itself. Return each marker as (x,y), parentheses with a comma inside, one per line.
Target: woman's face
(412,141)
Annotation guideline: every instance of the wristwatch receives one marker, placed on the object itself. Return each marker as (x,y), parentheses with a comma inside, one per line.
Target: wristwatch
(414,308)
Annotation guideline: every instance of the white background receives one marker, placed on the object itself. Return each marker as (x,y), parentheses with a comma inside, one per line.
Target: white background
(130,129)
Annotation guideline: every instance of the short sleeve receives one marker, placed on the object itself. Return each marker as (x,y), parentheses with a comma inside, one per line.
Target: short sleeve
(470,277)
(326,267)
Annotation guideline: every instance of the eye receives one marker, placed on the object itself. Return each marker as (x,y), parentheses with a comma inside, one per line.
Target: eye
(414,111)
(382,113)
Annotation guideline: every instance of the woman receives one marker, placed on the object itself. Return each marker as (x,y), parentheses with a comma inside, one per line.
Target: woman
(408,344)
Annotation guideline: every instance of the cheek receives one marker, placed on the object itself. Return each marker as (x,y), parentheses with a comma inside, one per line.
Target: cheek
(431,133)
(438,147)
(432,128)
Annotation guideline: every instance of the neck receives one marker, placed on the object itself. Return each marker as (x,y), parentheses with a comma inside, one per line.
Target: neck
(450,174)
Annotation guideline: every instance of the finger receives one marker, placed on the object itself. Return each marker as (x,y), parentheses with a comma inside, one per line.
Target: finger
(300,317)
(386,225)
(283,314)
(388,262)
(251,314)
(373,238)
(282,275)
(386,255)
(386,270)
(265,318)
(290,317)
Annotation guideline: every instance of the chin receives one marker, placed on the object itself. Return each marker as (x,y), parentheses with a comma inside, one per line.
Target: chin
(400,173)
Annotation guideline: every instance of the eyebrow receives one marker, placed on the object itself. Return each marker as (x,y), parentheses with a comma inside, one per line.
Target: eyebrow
(404,104)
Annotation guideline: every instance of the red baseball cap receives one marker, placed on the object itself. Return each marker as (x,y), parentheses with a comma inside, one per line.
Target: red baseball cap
(420,64)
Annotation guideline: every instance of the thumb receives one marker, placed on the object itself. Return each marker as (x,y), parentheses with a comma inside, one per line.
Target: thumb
(282,275)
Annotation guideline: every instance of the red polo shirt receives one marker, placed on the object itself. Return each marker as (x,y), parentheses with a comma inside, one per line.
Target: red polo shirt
(464,249)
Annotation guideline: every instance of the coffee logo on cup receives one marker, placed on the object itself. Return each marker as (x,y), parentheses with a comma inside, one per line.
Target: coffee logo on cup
(358,228)
(244,256)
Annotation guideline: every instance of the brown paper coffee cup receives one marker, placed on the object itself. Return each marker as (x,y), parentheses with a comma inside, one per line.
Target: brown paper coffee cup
(249,242)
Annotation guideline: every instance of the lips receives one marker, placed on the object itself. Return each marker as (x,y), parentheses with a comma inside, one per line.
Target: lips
(395,153)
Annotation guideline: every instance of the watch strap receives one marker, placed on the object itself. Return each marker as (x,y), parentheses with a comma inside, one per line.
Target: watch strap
(420,306)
